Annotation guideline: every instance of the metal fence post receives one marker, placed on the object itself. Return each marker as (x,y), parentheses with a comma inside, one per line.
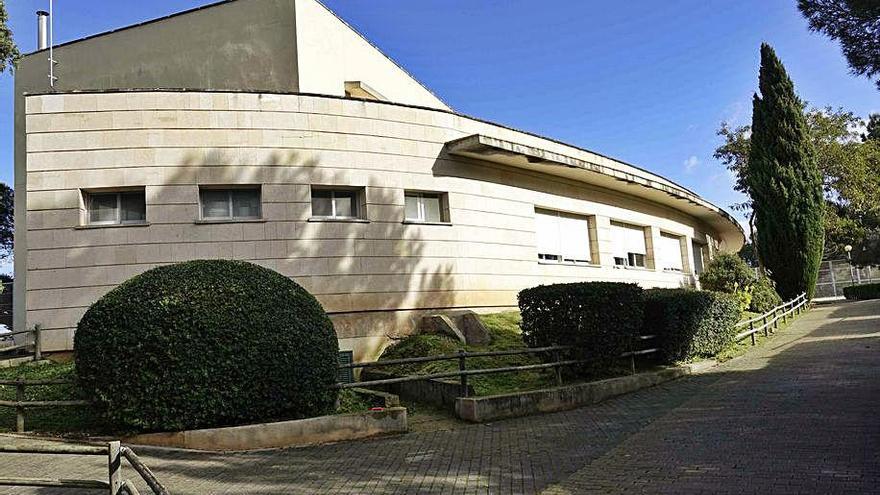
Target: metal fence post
(38,343)
(775,319)
(766,330)
(114,467)
(462,366)
(19,409)
(558,369)
(752,329)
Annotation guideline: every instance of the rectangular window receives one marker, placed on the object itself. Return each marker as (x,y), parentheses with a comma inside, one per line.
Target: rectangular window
(116,208)
(426,207)
(336,203)
(669,253)
(230,204)
(628,245)
(562,237)
(700,256)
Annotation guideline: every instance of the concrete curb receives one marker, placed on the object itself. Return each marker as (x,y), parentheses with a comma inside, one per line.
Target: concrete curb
(495,407)
(296,433)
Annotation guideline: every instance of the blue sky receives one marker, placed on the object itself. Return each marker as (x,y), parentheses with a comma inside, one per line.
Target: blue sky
(643,81)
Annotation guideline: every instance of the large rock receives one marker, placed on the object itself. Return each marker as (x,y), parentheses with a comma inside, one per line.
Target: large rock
(463,325)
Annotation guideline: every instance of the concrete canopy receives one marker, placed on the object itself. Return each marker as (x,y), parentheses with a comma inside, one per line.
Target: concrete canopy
(623,178)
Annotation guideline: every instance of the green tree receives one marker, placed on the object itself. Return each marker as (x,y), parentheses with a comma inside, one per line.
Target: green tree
(784,182)
(850,166)
(872,128)
(855,24)
(8,51)
(7,201)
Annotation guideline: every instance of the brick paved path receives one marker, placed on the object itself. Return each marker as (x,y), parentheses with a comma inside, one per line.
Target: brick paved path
(798,415)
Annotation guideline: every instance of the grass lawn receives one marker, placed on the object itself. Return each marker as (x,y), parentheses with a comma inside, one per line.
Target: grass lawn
(78,420)
(506,334)
(83,421)
(737,349)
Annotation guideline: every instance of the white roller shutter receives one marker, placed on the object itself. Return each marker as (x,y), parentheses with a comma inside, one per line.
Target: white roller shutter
(669,255)
(562,237)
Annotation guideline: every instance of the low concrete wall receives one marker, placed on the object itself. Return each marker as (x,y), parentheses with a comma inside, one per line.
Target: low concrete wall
(283,433)
(441,393)
(494,407)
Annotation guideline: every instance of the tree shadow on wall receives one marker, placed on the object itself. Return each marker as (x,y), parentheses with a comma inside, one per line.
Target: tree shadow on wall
(354,268)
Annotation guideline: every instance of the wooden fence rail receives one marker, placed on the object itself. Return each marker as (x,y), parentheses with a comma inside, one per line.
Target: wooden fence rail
(771,318)
(20,404)
(36,342)
(783,311)
(463,372)
(114,484)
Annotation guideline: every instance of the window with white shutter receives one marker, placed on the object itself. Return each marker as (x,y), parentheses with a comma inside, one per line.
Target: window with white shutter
(562,237)
(628,244)
(669,253)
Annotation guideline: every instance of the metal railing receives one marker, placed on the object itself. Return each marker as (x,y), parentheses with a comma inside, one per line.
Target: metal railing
(463,372)
(113,451)
(771,318)
(20,404)
(35,343)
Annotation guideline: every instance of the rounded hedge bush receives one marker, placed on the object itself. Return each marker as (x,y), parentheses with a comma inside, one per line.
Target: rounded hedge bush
(206,343)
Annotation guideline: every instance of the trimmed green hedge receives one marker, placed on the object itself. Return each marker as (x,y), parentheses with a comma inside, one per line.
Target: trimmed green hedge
(600,317)
(861,292)
(690,323)
(206,343)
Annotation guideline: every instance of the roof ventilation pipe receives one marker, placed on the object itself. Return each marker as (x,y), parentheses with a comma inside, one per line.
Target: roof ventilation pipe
(42,30)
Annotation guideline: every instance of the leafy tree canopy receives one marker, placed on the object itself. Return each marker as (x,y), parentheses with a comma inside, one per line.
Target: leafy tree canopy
(9,54)
(7,197)
(850,164)
(855,24)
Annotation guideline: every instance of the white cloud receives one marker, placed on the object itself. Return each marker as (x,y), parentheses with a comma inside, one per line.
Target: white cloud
(691,163)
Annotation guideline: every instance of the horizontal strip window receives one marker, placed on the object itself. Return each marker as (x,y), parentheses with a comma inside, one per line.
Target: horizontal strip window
(239,203)
(426,207)
(116,208)
(340,204)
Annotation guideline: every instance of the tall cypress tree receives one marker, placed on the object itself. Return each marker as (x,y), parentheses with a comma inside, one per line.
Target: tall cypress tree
(785,183)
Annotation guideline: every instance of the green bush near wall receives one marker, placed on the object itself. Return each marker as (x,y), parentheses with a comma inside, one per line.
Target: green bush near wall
(861,292)
(764,296)
(601,318)
(688,323)
(206,343)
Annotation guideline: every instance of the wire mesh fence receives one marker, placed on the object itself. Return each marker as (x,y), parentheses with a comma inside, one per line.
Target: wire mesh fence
(834,275)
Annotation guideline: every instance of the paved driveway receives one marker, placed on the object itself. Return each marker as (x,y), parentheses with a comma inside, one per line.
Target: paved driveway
(798,415)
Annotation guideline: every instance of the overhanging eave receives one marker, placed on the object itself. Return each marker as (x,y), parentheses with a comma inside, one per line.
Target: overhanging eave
(642,185)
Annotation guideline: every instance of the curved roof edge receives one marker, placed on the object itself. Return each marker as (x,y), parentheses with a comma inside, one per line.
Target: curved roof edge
(732,236)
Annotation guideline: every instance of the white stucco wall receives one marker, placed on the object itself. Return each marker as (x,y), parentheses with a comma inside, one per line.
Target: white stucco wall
(329,53)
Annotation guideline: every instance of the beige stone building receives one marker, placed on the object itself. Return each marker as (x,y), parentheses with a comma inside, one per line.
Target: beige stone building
(281,136)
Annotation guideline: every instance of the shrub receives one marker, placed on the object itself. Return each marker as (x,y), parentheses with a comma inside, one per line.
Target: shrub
(602,318)
(729,273)
(863,291)
(690,323)
(764,296)
(206,343)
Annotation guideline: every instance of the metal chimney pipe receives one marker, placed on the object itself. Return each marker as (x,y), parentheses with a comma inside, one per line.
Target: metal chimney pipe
(42,30)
